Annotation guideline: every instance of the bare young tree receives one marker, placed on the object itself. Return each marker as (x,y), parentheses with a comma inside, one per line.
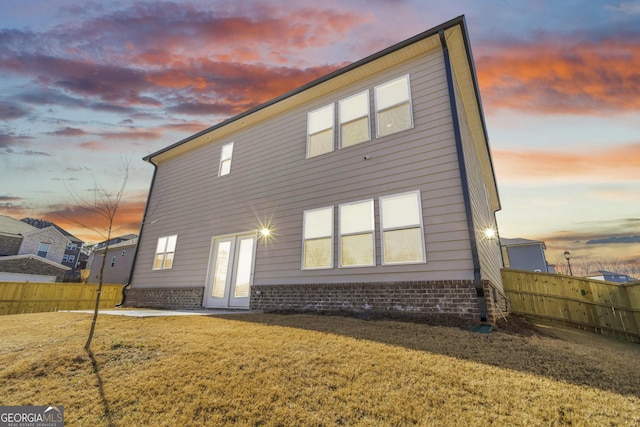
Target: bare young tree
(104,205)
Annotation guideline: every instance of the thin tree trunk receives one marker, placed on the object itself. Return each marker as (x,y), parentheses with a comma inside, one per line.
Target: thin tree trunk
(99,293)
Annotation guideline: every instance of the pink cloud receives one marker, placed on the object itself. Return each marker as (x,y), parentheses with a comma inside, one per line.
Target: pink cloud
(563,75)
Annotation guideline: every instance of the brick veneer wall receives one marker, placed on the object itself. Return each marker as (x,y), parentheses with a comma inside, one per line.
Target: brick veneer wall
(174,298)
(451,297)
(31,266)
(9,245)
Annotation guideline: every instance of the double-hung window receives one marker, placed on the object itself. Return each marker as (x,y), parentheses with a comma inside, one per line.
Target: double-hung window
(393,106)
(165,251)
(65,258)
(402,229)
(318,238)
(225,159)
(354,120)
(320,131)
(357,242)
(43,250)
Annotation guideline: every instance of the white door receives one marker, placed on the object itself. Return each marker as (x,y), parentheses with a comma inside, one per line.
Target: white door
(230,271)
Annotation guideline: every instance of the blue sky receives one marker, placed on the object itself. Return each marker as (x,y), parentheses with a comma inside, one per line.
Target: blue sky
(84,85)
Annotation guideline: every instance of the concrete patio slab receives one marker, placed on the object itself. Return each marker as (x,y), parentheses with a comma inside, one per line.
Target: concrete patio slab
(148,312)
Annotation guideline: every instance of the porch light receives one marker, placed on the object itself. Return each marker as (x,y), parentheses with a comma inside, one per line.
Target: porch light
(490,233)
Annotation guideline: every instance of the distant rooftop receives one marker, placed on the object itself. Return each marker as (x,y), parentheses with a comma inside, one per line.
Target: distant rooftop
(41,223)
(519,242)
(13,226)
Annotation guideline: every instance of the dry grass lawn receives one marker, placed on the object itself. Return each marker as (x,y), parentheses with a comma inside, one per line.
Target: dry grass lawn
(286,370)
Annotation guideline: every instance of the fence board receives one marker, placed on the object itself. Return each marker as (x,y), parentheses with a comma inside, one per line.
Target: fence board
(29,297)
(611,308)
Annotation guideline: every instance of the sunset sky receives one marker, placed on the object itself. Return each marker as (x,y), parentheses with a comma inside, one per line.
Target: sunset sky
(86,86)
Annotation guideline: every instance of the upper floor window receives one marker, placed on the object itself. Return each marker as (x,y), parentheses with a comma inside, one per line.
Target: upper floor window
(357,242)
(354,120)
(393,106)
(225,159)
(318,238)
(43,250)
(65,258)
(165,251)
(72,258)
(320,131)
(402,229)
(72,246)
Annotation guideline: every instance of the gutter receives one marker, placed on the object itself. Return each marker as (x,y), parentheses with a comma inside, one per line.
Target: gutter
(464,181)
(135,254)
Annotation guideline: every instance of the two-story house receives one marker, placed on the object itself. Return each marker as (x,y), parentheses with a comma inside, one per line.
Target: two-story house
(370,189)
(71,254)
(118,260)
(31,253)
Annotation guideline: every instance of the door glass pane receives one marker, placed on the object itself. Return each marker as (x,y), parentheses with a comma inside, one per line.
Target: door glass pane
(221,269)
(402,246)
(356,217)
(400,211)
(317,253)
(243,268)
(357,250)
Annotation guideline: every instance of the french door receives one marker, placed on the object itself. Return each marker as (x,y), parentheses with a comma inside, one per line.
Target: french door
(230,273)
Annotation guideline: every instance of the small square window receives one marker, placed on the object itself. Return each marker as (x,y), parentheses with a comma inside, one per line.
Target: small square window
(165,251)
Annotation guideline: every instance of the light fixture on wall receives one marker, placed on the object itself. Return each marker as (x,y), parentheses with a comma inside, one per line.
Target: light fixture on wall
(265,232)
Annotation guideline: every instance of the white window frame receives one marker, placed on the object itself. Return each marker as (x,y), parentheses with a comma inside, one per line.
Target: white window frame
(72,246)
(65,258)
(371,232)
(312,131)
(343,119)
(319,237)
(385,107)
(164,249)
(46,251)
(224,160)
(419,225)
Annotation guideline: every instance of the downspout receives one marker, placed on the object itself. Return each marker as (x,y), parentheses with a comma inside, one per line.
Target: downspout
(477,281)
(135,254)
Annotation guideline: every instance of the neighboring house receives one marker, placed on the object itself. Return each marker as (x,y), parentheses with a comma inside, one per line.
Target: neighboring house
(28,250)
(72,251)
(367,190)
(525,254)
(117,267)
(609,276)
(115,240)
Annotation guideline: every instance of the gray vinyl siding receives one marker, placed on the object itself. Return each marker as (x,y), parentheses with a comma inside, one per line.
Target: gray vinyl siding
(489,251)
(271,181)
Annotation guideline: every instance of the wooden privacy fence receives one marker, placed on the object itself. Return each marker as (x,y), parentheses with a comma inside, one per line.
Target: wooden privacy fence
(28,297)
(610,308)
